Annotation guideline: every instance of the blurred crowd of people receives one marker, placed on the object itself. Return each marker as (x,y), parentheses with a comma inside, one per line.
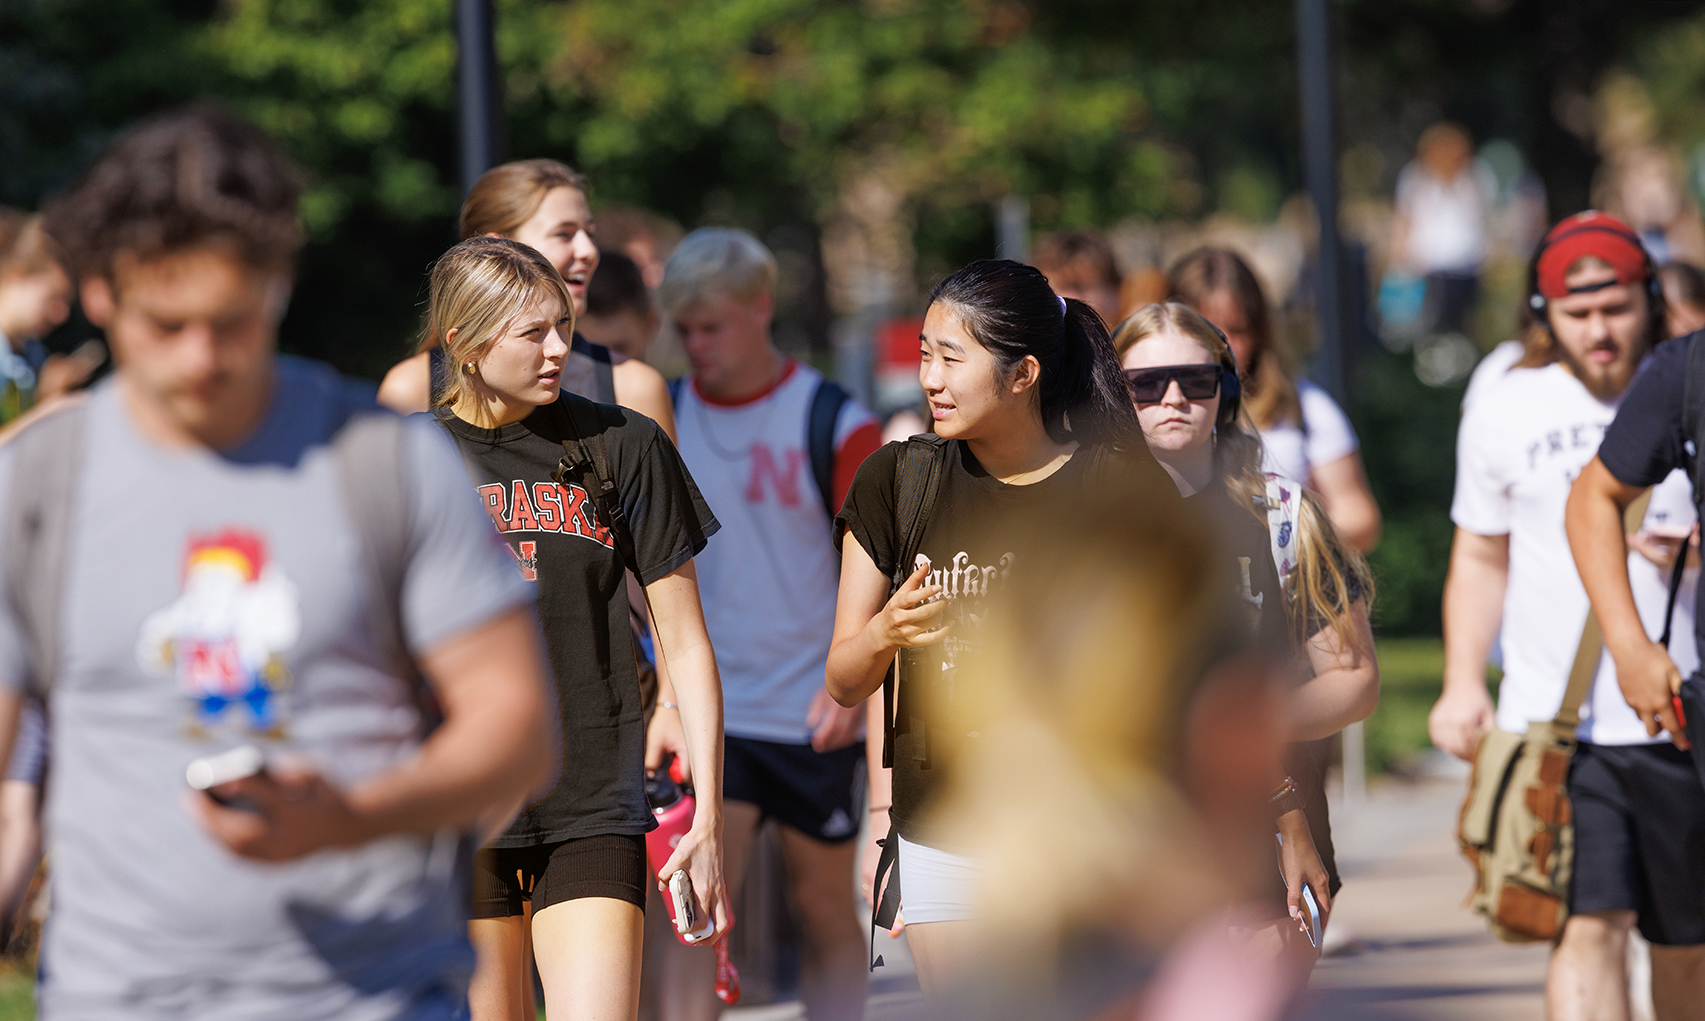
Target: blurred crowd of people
(1050,678)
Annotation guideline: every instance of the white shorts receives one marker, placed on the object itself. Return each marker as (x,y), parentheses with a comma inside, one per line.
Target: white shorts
(936,886)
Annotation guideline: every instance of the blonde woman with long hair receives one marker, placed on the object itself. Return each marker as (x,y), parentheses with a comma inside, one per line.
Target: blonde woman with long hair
(542,204)
(1183,379)
(576,858)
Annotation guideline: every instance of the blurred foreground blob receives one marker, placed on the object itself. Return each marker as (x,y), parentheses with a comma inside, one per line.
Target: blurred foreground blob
(1110,767)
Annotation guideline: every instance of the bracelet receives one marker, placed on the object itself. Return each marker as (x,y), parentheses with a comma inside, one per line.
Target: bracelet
(668,705)
(1285,799)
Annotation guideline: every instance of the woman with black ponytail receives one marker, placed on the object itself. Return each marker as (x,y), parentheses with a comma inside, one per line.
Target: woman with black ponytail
(1030,408)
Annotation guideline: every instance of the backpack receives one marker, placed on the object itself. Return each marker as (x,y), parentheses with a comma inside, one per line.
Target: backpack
(371,467)
(826,404)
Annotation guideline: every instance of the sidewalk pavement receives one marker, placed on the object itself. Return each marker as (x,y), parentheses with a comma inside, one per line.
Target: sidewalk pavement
(1414,950)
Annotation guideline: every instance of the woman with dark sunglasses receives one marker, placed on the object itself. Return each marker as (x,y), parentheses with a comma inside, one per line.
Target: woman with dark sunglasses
(1299,577)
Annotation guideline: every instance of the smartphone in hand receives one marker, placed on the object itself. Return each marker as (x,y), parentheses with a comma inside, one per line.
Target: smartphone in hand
(686,909)
(210,771)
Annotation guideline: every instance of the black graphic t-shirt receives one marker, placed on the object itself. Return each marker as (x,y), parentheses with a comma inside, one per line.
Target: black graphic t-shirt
(1259,601)
(560,545)
(973,540)
(1258,604)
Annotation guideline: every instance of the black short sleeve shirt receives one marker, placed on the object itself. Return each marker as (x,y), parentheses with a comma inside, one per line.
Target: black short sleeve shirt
(561,546)
(976,535)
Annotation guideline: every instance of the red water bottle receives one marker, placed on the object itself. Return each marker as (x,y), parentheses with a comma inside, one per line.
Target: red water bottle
(672,804)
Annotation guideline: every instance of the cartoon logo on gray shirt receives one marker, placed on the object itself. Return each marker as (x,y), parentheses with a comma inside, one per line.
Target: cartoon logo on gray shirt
(225,637)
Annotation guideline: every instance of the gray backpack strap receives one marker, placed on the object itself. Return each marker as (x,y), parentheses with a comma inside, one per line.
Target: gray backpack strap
(372,467)
(36,530)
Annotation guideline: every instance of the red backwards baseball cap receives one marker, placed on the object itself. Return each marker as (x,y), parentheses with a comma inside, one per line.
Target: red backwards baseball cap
(1590,233)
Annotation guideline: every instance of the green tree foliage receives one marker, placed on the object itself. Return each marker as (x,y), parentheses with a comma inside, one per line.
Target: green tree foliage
(755,111)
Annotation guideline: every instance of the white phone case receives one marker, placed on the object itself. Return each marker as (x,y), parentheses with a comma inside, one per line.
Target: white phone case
(681,892)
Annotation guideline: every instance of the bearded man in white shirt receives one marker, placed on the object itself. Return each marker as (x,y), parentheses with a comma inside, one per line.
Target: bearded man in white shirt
(1638,806)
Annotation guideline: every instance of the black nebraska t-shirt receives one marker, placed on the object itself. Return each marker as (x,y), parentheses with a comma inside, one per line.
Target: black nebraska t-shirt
(1647,440)
(973,539)
(561,546)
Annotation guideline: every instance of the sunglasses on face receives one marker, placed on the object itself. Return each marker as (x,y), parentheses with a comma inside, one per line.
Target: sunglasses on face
(1198,382)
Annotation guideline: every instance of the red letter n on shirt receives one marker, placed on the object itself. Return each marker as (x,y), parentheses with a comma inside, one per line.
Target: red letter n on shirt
(785,480)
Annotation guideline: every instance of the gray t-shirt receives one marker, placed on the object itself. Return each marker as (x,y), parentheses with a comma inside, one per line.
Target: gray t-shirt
(219,599)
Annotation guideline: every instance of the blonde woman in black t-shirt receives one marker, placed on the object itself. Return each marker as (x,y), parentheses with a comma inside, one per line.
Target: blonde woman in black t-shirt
(505,318)
(1027,389)
(1183,380)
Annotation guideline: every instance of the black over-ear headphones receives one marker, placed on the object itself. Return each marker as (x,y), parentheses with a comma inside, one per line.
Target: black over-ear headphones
(1541,307)
(1231,388)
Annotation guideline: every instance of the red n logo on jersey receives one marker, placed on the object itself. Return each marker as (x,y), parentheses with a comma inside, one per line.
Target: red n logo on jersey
(528,557)
(784,479)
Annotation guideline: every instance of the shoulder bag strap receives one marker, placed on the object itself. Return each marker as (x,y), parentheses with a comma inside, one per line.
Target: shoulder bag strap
(826,404)
(1588,653)
(37,527)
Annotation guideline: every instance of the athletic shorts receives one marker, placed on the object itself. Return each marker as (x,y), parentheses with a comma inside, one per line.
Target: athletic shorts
(1640,838)
(936,885)
(608,865)
(820,794)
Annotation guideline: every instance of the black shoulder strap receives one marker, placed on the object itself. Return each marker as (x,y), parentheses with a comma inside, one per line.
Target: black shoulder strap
(1693,432)
(584,452)
(917,480)
(603,370)
(36,525)
(1693,413)
(826,404)
(885,894)
(438,373)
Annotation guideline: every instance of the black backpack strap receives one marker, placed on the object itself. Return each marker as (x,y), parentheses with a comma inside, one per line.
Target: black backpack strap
(1693,431)
(886,898)
(438,374)
(1693,414)
(46,457)
(917,481)
(826,404)
(675,387)
(586,459)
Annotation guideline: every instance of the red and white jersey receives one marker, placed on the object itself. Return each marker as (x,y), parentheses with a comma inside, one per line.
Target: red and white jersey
(769,579)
